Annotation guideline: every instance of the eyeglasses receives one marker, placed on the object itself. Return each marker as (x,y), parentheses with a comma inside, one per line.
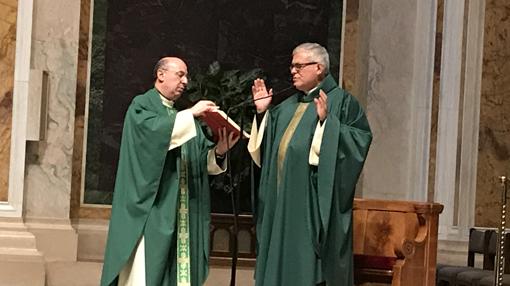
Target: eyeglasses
(299,67)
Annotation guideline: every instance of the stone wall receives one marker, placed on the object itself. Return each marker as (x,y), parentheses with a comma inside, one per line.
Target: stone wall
(494,143)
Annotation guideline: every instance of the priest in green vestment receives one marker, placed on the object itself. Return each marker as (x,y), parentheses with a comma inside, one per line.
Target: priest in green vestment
(311,148)
(159,228)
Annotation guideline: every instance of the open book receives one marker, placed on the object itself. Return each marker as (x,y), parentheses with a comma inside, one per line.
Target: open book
(217,120)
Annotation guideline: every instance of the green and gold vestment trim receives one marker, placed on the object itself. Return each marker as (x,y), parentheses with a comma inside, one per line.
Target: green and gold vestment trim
(183,245)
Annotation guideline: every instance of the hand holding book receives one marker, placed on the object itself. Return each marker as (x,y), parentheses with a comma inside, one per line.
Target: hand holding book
(225,141)
(217,121)
(202,107)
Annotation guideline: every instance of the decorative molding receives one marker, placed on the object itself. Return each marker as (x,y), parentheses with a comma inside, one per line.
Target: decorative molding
(14,205)
(56,238)
(454,144)
(448,118)
(225,223)
(38,105)
(423,74)
(21,263)
(471,114)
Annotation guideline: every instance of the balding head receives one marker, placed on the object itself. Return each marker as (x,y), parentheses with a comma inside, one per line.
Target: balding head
(170,77)
(164,63)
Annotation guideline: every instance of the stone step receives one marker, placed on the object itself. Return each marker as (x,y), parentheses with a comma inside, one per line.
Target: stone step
(20,254)
(89,273)
(73,273)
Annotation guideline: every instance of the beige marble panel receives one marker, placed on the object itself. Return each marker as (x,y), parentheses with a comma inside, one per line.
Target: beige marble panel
(494,142)
(389,89)
(8,9)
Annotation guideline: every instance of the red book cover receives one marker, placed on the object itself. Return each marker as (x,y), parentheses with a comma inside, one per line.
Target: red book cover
(217,120)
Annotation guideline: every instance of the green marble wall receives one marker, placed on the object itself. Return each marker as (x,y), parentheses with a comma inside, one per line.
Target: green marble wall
(130,36)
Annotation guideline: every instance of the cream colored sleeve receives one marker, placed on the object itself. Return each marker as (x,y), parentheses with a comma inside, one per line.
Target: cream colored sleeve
(315,149)
(256,139)
(184,129)
(212,167)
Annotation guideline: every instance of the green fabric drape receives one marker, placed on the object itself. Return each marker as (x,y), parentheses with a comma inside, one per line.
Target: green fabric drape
(304,220)
(146,194)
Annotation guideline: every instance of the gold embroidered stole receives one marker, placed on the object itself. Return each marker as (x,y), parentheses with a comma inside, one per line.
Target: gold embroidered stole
(284,143)
(183,244)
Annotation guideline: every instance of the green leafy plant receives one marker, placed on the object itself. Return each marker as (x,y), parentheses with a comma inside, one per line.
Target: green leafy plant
(226,88)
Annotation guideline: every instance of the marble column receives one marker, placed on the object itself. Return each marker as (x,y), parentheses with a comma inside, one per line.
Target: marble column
(458,125)
(449,94)
(395,77)
(48,178)
(395,58)
(458,121)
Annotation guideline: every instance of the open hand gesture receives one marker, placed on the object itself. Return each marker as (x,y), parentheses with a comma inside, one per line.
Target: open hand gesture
(261,97)
(321,104)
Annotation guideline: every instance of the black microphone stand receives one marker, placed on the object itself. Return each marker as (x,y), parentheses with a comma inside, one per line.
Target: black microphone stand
(232,190)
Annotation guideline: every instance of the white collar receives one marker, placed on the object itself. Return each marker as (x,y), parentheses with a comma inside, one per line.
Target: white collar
(312,90)
(166,102)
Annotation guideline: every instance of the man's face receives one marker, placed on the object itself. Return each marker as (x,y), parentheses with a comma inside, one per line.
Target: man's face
(305,72)
(173,78)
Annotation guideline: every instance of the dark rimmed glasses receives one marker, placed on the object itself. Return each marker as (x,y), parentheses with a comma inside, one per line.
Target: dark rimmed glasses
(300,66)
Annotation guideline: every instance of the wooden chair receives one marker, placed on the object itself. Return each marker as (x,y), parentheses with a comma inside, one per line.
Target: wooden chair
(479,242)
(486,277)
(395,242)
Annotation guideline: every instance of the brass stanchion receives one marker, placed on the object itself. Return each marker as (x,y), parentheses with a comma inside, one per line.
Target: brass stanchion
(500,252)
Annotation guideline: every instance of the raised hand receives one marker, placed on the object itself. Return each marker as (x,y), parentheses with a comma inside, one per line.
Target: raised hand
(261,97)
(203,106)
(225,142)
(321,104)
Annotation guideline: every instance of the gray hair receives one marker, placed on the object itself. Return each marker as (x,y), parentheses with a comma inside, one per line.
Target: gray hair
(315,52)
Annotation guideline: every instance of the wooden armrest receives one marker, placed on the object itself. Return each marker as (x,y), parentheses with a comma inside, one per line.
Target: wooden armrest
(398,206)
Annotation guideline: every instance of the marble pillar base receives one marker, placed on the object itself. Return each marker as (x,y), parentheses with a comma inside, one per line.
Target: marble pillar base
(56,239)
(20,261)
(453,252)
(92,238)
(73,273)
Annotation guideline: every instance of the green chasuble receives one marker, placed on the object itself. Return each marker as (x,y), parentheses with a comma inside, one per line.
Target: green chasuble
(146,197)
(304,212)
